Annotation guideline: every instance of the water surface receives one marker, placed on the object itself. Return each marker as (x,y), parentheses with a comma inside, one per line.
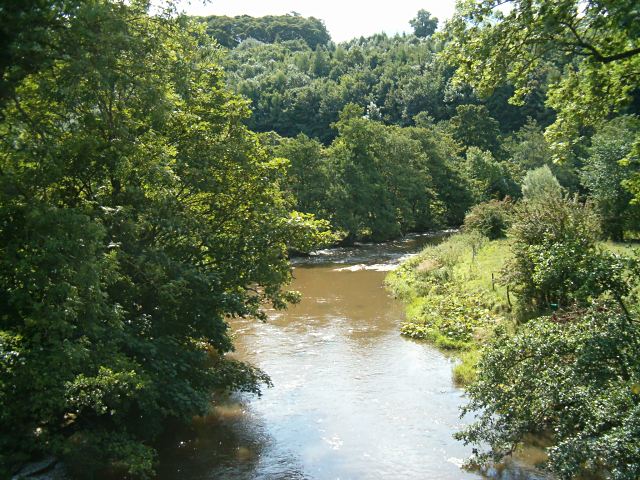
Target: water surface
(352,399)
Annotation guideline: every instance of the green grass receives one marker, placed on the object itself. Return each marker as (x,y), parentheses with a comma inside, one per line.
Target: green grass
(464,372)
(625,249)
(452,300)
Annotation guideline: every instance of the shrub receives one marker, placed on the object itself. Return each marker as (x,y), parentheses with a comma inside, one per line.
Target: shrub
(491,219)
(541,183)
(574,374)
(556,261)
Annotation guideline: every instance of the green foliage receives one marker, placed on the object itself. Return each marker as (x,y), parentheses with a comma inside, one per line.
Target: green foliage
(574,376)
(556,260)
(604,176)
(527,149)
(449,320)
(29,35)
(295,88)
(446,306)
(103,452)
(137,213)
(384,186)
(308,175)
(465,372)
(540,184)
(474,127)
(424,25)
(491,219)
(588,51)
(374,181)
(230,31)
(488,179)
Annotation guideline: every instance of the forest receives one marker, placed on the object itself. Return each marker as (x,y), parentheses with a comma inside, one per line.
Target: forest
(158,171)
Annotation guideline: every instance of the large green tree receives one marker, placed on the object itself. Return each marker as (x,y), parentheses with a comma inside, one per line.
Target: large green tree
(424,25)
(605,178)
(588,50)
(137,213)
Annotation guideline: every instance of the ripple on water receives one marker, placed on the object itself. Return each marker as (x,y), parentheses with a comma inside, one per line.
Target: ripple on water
(352,399)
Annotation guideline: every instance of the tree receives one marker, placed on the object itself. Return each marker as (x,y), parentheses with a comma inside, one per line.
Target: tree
(231,31)
(137,214)
(487,178)
(442,161)
(527,149)
(540,184)
(307,175)
(29,36)
(424,25)
(604,176)
(381,185)
(491,219)
(574,375)
(590,48)
(474,127)
(556,259)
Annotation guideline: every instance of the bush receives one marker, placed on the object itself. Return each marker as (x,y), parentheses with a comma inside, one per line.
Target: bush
(491,219)
(541,183)
(575,375)
(556,261)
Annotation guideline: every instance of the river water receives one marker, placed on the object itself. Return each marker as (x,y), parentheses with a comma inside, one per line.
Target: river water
(352,399)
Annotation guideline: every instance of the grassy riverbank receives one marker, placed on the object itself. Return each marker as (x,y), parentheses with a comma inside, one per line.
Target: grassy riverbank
(452,296)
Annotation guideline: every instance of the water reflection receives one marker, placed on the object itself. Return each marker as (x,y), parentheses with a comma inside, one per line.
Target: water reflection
(352,399)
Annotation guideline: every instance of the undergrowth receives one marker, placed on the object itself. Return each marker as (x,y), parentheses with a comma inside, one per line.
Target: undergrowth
(454,298)
(451,297)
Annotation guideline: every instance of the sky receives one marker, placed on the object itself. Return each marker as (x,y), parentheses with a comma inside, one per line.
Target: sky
(345,19)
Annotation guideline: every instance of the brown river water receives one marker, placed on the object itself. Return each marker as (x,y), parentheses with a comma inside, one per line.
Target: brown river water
(352,399)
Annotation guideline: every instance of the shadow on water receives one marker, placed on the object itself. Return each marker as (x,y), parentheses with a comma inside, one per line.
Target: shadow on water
(228,443)
(352,399)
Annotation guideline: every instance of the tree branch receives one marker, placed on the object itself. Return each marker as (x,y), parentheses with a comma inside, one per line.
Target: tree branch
(595,53)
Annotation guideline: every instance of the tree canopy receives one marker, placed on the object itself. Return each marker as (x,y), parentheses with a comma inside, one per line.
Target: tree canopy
(424,25)
(230,31)
(589,51)
(137,213)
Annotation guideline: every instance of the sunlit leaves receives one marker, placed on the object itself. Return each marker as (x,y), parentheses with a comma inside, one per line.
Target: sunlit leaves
(589,49)
(570,377)
(137,214)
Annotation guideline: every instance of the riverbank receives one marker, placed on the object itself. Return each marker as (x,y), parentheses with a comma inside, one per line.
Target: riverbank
(453,297)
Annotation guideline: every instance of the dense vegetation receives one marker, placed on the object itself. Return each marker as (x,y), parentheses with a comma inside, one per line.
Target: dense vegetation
(573,375)
(476,142)
(231,31)
(139,210)
(546,326)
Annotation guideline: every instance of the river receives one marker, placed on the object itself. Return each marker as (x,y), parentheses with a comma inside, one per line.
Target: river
(352,399)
